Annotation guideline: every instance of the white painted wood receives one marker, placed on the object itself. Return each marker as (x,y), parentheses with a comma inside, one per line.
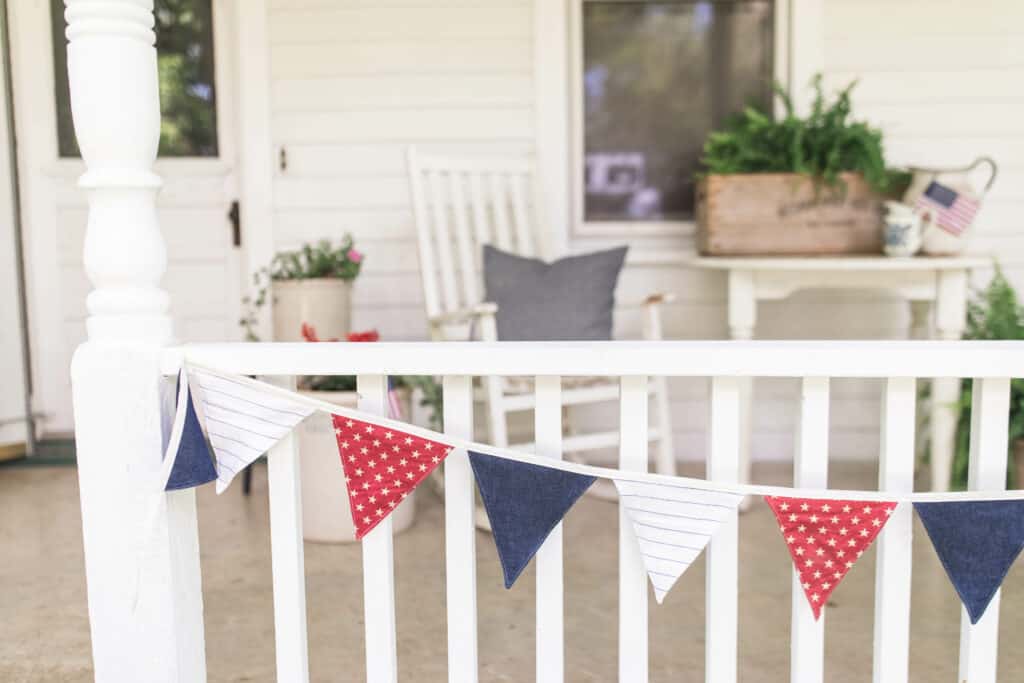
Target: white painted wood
(425,240)
(893,563)
(810,470)
(378,564)
(496,186)
(722,577)
(255,148)
(633,657)
(14,402)
(480,223)
(443,240)
(806,56)
(551,59)
(144,584)
(990,408)
(521,217)
(860,359)
(469,264)
(942,281)
(550,577)
(460,534)
(287,555)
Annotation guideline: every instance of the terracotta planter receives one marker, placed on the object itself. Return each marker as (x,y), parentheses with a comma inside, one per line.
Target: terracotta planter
(324,303)
(326,517)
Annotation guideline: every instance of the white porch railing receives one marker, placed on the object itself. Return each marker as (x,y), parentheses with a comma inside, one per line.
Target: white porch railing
(156,634)
(727,363)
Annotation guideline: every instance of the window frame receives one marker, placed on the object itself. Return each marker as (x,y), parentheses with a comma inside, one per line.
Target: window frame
(662,228)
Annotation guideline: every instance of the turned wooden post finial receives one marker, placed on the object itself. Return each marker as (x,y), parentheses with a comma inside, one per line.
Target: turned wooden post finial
(115,103)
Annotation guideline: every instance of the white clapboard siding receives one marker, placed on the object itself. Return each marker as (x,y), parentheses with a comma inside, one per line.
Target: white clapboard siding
(354,84)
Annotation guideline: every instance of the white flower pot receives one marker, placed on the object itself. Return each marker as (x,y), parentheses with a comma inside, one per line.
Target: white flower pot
(324,303)
(326,516)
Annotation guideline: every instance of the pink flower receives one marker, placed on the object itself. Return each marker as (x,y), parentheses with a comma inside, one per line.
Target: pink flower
(354,256)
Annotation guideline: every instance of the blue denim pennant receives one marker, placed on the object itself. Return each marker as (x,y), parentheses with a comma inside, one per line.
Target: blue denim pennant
(977,542)
(193,464)
(524,503)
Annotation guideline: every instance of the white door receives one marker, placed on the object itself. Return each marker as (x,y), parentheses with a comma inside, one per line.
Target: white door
(197,163)
(13,408)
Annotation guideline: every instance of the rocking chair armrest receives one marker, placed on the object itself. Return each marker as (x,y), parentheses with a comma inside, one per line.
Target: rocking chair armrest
(481,310)
(658,298)
(652,314)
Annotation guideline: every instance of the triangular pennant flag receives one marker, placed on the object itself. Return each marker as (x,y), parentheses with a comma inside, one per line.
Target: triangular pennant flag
(382,465)
(524,503)
(193,463)
(672,525)
(242,421)
(977,542)
(826,537)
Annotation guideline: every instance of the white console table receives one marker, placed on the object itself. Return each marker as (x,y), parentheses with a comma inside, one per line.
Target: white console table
(929,284)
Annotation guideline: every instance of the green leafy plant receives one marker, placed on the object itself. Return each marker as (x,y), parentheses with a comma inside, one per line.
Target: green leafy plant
(824,144)
(312,260)
(994,313)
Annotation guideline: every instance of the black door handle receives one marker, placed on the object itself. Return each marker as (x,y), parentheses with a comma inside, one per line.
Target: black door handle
(235,216)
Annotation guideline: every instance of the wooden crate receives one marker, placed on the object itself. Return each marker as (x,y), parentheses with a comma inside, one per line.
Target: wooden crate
(762,214)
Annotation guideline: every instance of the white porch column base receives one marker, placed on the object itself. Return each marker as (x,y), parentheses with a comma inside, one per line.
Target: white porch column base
(142,574)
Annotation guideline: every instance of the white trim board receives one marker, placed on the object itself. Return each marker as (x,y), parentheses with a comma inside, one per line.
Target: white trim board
(558,131)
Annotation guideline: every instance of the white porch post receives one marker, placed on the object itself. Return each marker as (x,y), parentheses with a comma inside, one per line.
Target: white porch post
(145,603)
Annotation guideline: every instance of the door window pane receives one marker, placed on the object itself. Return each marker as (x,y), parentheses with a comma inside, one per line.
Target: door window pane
(657,78)
(184,46)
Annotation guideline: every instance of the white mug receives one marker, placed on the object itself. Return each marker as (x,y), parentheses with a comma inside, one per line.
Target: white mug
(903,229)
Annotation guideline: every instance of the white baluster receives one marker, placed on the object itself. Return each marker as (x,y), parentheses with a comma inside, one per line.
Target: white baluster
(722,579)
(633,658)
(288,556)
(146,621)
(892,576)
(810,470)
(378,564)
(990,406)
(550,577)
(460,534)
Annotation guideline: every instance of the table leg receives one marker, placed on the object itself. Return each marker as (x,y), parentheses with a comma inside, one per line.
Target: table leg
(742,320)
(950,315)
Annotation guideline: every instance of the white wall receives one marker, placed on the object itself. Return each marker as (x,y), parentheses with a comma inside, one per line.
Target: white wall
(354,82)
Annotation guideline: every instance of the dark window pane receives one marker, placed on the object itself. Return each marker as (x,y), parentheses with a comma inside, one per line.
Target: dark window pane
(184,45)
(657,78)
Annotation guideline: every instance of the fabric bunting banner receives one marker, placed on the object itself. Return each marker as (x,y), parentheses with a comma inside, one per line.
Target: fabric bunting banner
(193,462)
(524,503)
(381,467)
(242,422)
(826,537)
(977,542)
(672,525)
(222,423)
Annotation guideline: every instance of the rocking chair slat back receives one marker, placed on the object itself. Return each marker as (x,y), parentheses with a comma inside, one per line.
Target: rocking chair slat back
(460,205)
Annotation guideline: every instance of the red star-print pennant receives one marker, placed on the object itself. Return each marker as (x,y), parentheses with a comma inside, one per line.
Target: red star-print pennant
(826,537)
(382,466)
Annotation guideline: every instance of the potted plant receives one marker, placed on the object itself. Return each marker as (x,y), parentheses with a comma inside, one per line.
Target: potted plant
(995,313)
(795,185)
(310,285)
(326,517)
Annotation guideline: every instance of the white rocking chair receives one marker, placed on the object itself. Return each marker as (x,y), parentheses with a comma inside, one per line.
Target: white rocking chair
(461,204)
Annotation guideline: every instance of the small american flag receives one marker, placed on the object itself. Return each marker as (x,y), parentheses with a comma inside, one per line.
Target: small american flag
(951,210)
(394,403)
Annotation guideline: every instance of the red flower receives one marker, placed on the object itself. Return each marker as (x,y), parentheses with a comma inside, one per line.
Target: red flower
(309,334)
(368,336)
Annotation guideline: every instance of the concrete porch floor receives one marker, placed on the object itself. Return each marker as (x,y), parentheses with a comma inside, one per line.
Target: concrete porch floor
(44,632)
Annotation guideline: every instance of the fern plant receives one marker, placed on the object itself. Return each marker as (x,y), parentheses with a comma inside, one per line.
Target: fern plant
(995,313)
(824,144)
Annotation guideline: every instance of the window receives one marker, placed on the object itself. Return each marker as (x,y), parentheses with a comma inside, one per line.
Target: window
(184,45)
(653,79)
